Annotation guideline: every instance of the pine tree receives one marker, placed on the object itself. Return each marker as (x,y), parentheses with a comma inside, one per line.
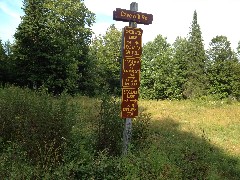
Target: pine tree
(196,61)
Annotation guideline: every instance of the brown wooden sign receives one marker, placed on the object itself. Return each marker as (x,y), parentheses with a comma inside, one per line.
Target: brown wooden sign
(131,63)
(131,79)
(129,102)
(132,16)
(132,46)
(130,71)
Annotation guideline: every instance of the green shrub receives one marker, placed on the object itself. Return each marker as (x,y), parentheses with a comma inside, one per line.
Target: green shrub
(109,129)
(36,121)
(141,130)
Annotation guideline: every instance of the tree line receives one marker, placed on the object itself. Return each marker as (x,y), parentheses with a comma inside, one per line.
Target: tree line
(54,49)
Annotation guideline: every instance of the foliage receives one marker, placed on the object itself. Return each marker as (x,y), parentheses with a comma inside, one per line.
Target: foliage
(51,44)
(105,52)
(36,122)
(2,51)
(7,65)
(109,127)
(180,70)
(165,145)
(195,62)
(156,69)
(238,50)
(2,58)
(223,70)
(3,62)
(141,130)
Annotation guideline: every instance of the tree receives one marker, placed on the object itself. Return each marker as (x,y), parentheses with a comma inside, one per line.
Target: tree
(3,57)
(106,56)
(238,51)
(2,51)
(156,69)
(52,44)
(196,62)
(224,69)
(180,70)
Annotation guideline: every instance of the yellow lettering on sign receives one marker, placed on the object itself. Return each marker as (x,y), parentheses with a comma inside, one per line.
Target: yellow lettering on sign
(138,16)
(135,53)
(128,52)
(129,31)
(132,37)
(144,17)
(130,113)
(129,15)
(123,13)
(139,32)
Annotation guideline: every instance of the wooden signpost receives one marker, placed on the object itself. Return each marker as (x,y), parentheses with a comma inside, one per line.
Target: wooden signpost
(131,64)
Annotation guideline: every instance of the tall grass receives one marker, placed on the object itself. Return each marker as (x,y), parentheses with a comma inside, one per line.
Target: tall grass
(38,123)
(45,137)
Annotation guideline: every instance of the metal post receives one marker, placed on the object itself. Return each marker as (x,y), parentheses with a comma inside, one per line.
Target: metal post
(127,133)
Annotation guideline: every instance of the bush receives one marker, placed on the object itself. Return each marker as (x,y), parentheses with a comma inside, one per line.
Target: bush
(41,137)
(141,130)
(110,127)
(37,122)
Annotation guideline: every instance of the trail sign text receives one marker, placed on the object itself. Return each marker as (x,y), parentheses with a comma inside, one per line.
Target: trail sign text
(131,64)
(134,16)
(130,71)
(131,58)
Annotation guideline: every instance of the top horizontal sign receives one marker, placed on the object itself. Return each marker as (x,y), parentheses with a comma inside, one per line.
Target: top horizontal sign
(133,16)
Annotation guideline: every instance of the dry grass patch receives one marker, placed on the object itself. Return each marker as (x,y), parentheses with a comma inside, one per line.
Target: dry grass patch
(219,121)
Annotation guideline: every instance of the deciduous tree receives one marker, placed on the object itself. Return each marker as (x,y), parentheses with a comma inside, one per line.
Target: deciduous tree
(180,70)
(106,55)
(224,69)
(51,44)
(156,69)
(2,63)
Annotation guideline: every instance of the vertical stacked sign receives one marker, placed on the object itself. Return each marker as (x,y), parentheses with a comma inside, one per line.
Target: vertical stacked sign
(131,64)
(132,50)
(130,72)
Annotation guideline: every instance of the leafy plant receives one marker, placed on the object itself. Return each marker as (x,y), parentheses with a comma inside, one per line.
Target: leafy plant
(110,126)
(36,121)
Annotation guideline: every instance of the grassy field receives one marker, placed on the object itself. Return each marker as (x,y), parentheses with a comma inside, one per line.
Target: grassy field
(218,121)
(189,139)
(201,137)
(44,137)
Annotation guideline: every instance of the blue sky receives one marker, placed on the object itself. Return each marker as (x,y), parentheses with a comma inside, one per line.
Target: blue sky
(10,12)
(171,18)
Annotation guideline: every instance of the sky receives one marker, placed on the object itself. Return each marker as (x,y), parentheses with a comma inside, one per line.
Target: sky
(171,18)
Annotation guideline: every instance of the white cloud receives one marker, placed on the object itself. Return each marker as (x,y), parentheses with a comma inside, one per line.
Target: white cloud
(8,26)
(8,11)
